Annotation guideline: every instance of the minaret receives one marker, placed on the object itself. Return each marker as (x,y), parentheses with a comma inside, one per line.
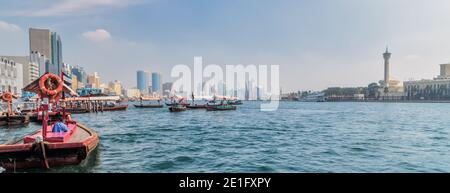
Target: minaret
(386,57)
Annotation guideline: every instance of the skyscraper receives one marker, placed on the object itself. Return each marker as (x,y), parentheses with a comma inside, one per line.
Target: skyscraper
(56,57)
(156,82)
(143,80)
(386,57)
(40,41)
(48,44)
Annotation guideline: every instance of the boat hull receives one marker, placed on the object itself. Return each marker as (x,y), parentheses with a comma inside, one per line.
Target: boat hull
(148,106)
(218,108)
(196,106)
(16,155)
(115,108)
(14,120)
(177,109)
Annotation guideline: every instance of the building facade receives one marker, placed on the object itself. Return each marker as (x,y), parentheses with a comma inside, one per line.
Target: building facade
(156,82)
(143,80)
(11,76)
(115,88)
(132,93)
(30,69)
(94,80)
(48,44)
(435,89)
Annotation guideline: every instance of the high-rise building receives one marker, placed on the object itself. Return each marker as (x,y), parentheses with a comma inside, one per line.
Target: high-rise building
(156,82)
(40,41)
(80,74)
(30,70)
(115,87)
(40,60)
(57,61)
(94,80)
(143,80)
(11,76)
(48,44)
(445,71)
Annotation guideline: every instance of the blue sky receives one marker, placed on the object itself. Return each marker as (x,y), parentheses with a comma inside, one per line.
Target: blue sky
(317,43)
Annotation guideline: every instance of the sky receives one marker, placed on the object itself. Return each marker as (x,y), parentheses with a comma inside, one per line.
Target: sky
(317,44)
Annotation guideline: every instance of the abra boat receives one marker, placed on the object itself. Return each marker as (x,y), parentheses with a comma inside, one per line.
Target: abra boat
(64,142)
(57,149)
(10,118)
(148,105)
(221,107)
(115,108)
(142,103)
(177,108)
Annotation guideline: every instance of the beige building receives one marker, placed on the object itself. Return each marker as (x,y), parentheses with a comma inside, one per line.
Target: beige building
(94,80)
(115,87)
(132,93)
(435,89)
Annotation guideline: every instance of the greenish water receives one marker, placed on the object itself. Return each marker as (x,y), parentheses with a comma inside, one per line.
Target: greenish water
(299,137)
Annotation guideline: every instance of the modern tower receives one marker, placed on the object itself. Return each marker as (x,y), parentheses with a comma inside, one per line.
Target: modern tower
(143,80)
(48,44)
(156,82)
(386,57)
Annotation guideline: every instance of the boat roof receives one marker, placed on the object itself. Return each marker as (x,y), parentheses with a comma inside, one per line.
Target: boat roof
(34,87)
(95,98)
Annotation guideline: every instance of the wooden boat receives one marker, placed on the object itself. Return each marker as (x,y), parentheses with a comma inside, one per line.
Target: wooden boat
(174,104)
(196,106)
(222,107)
(148,105)
(177,108)
(14,120)
(77,110)
(65,142)
(10,118)
(58,149)
(115,108)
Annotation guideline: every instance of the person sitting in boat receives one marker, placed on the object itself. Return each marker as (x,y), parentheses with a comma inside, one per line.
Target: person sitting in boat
(18,111)
(59,125)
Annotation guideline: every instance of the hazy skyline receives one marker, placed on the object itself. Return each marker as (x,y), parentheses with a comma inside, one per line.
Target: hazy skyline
(317,44)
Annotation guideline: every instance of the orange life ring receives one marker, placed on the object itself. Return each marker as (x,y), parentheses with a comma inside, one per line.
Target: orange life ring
(7,96)
(54,79)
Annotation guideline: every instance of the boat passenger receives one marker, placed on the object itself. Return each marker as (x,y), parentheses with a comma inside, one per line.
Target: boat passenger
(18,111)
(59,125)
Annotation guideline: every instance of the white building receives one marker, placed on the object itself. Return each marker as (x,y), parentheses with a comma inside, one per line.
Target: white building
(30,69)
(11,76)
(132,93)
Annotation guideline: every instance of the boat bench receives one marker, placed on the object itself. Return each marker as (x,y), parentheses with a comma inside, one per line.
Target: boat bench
(54,136)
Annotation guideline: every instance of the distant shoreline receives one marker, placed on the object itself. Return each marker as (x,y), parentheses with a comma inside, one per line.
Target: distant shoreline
(368,101)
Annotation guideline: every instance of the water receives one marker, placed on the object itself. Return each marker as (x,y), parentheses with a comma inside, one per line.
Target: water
(299,137)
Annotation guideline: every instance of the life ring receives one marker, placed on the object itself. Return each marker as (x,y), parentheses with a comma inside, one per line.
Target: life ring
(54,80)
(7,96)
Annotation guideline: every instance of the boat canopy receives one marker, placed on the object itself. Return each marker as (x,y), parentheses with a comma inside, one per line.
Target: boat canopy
(34,87)
(96,98)
(149,98)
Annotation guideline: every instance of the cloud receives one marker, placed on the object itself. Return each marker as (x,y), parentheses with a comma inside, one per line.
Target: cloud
(99,35)
(4,26)
(66,7)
